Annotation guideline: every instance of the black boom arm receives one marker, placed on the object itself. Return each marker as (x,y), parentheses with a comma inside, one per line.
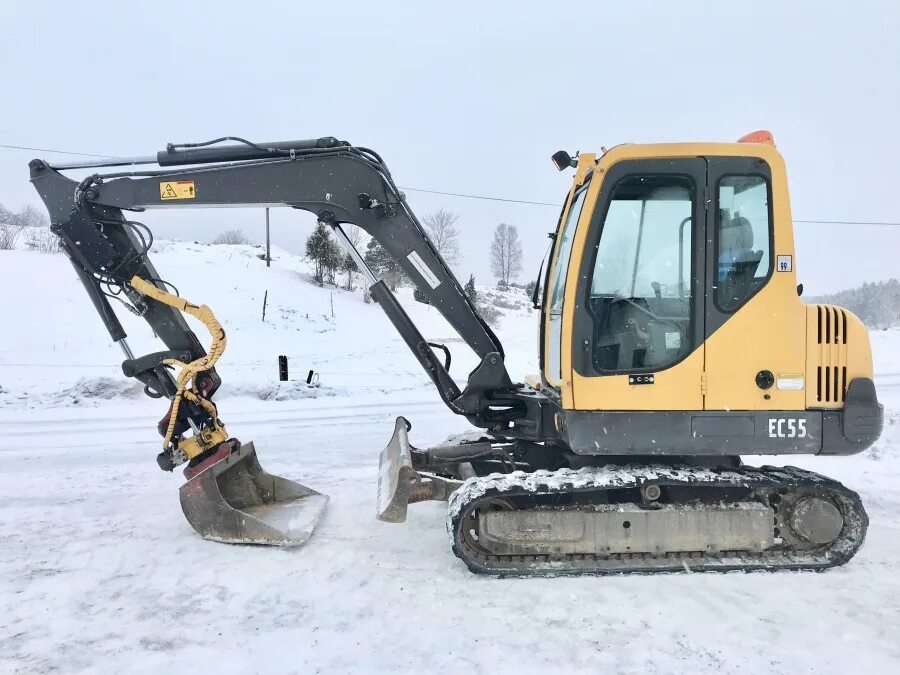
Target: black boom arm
(335,181)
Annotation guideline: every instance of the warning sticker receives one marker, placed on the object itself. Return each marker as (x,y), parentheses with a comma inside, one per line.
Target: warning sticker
(181,189)
(423,269)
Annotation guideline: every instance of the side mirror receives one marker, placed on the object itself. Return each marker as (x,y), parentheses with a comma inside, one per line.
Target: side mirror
(563,160)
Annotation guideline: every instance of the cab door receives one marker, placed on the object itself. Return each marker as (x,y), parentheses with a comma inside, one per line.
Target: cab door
(634,305)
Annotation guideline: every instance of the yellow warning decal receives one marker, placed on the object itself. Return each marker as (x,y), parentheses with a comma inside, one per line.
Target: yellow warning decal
(182,189)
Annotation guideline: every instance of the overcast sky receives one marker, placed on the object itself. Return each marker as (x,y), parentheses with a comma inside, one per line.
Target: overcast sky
(474,98)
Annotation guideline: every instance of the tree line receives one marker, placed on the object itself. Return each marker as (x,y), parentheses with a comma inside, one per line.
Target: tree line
(876,303)
(328,259)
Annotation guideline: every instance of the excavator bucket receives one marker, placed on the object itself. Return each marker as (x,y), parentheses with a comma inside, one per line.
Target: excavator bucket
(235,501)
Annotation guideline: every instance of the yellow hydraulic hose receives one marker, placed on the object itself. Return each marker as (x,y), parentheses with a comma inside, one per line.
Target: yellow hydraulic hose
(188,370)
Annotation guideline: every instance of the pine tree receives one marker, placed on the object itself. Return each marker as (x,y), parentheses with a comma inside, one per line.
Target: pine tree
(324,253)
(469,288)
(348,265)
(382,264)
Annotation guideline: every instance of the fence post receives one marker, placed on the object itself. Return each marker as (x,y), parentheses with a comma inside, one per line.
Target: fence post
(268,250)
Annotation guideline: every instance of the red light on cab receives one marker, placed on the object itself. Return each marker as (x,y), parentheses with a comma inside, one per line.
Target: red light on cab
(761,136)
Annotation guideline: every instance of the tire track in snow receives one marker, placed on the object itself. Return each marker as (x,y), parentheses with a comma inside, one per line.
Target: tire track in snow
(77,435)
(339,404)
(244,419)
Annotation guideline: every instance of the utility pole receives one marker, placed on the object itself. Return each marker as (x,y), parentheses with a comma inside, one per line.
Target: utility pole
(268,250)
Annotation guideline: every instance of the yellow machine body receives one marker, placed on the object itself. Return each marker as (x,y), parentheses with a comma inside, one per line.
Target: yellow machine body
(773,331)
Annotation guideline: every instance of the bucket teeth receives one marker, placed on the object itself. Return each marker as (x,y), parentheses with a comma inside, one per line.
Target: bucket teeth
(237,502)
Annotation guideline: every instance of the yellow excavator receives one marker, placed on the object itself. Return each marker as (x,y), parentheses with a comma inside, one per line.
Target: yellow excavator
(672,341)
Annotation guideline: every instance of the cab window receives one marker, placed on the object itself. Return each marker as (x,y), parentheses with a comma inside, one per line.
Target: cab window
(558,287)
(640,291)
(743,234)
(566,236)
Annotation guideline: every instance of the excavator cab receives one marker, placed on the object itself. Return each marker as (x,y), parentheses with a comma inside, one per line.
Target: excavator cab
(671,307)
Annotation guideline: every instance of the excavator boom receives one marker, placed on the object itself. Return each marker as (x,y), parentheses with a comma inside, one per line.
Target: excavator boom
(338,183)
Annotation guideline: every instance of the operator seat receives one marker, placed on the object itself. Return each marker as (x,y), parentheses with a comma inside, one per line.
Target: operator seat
(738,262)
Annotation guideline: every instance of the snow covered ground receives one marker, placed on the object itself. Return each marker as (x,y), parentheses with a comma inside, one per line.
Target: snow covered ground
(100,573)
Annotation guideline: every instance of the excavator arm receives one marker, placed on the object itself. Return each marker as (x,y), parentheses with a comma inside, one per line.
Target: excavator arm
(228,496)
(333,180)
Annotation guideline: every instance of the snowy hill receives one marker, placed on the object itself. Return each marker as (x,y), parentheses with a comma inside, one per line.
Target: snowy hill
(329,330)
(100,573)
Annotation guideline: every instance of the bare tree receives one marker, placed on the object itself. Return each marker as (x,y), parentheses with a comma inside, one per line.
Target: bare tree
(441,229)
(35,226)
(354,234)
(10,229)
(348,264)
(32,217)
(231,237)
(9,233)
(506,253)
(42,240)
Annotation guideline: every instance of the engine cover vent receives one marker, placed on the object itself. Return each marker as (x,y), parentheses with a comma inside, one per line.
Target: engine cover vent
(831,369)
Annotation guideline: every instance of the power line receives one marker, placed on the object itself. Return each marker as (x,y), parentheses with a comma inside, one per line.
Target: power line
(848,222)
(468,196)
(491,199)
(57,152)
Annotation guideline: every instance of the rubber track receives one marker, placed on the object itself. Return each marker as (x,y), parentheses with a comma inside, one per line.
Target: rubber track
(479,491)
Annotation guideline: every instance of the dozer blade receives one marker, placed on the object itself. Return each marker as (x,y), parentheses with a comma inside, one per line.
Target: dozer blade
(396,476)
(235,501)
(399,484)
